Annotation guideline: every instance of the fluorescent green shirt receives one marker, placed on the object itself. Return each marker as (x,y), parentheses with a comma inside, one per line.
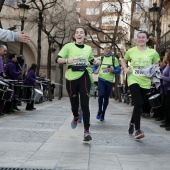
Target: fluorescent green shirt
(103,73)
(85,55)
(138,60)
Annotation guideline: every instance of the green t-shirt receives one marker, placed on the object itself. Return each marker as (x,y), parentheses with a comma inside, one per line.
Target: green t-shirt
(138,60)
(85,55)
(103,73)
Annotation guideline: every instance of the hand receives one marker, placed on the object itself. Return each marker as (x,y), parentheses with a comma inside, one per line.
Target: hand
(127,70)
(96,72)
(72,60)
(109,70)
(98,61)
(22,37)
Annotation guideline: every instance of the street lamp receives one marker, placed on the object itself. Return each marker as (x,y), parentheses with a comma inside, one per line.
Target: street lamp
(23,10)
(154,15)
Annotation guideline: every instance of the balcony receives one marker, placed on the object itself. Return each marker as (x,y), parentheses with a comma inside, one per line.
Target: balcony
(165,41)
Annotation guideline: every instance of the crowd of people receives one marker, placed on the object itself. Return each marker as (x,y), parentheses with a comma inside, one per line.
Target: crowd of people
(22,85)
(81,64)
(16,83)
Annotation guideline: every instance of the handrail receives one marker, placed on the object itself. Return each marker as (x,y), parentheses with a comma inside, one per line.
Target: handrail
(165,40)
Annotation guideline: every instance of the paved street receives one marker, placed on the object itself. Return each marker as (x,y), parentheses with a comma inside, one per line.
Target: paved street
(44,139)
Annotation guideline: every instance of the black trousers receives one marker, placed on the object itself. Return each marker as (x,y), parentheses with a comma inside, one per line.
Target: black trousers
(138,96)
(80,88)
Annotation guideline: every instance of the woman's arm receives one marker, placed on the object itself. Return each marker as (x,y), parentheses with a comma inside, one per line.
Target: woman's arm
(124,66)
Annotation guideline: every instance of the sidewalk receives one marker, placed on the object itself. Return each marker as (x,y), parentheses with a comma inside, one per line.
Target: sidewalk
(43,139)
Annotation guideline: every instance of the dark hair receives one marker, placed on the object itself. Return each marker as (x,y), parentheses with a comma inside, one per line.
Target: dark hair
(33,67)
(11,56)
(151,41)
(85,32)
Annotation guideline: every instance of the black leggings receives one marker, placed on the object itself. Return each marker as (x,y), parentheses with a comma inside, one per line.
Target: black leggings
(76,88)
(138,95)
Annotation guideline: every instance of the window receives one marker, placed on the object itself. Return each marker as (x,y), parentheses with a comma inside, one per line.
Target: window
(78,10)
(95,52)
(138,7)
(94,37)
(94,24)
(110,7)
(106,38)
(108,21)
(92,11)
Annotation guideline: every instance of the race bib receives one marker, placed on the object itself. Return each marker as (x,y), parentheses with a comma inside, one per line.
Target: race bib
(105,71)
(81,62)
(137,71)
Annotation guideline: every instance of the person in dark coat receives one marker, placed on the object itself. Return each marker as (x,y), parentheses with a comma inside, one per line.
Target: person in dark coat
(30,80)
(12,73)
(166,90)
(3,50)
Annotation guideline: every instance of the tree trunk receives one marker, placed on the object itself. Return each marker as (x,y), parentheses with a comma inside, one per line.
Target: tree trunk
(60,95)
(49,61)
(131,20)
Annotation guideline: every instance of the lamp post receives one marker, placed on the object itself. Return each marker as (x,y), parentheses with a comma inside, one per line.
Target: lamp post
(50,51)
(154,16)
(23,10)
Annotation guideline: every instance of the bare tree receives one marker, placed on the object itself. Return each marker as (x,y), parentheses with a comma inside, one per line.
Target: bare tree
(58,25)
(112,30)
(41,6)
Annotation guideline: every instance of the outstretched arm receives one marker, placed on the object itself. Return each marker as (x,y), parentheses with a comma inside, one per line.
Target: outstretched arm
(8,36)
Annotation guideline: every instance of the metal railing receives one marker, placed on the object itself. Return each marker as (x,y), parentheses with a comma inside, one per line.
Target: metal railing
(165,40)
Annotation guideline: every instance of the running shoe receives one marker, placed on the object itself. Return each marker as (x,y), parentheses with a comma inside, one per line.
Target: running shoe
(139,134)
(131,128)
(98,115)
(74,122)
(87,136)
(102,118)
(80,119)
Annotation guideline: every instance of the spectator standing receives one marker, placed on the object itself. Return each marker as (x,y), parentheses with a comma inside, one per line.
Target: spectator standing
(30,80)
(166,90)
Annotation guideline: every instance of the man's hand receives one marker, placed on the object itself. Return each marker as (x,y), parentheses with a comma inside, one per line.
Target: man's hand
(23,37)
(98,61)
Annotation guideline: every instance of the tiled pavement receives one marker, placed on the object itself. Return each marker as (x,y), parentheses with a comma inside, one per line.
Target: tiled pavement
(44,139)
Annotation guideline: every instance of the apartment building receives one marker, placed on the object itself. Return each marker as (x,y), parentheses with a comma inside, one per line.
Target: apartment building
(103,17)
(165,26)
